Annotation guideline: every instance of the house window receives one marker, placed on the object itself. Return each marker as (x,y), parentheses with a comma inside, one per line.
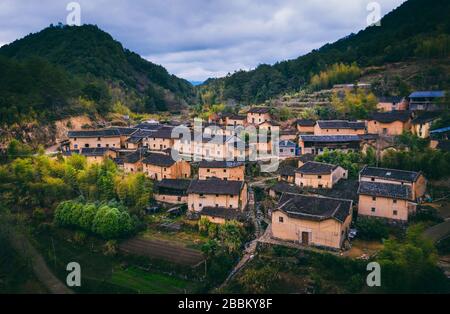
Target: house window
(99,139)
(86,145)
(373,209)
(75,146)
(395,212)
(201,195)
(217,205)
(200,205)
(107,145)
(99,145)
(395,201)
(319,177)
(281,219)
(374,198)
(75,139)
(231,206)
(373,179)
(225,170)
(320,186)
(179,198)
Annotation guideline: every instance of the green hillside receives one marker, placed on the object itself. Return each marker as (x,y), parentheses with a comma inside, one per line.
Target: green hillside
(417,30)
(44,73)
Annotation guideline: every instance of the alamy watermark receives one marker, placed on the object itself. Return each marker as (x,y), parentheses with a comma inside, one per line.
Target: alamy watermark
(374,17)
(73,279)
(74,16)
(230,143)
(374,277)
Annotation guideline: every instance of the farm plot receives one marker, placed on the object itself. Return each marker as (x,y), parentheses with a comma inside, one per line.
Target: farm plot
(164,250)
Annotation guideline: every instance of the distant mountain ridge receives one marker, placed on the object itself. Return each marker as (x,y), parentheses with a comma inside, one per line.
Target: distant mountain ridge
(418,29)
(88,54)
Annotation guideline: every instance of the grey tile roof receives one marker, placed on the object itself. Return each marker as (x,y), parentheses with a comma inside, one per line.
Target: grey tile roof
(149,126)
(160,160)
(315,208)
(164,133)
(176,186)
(390,174)
(392,116)
(94,133)
(126,131)
(97,152)
(306,122)
(136,156)
(287,170)
(223,212)
(216,186)
(283,187)
(341,124)
(259,110)
(220,164)
(389,190)
(313,167)
(330,138)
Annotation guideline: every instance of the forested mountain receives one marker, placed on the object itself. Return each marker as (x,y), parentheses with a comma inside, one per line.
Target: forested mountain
(417,30)
(44,74)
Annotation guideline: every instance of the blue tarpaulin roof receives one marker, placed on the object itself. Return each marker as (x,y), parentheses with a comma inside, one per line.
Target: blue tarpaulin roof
(427,94)
(441,130)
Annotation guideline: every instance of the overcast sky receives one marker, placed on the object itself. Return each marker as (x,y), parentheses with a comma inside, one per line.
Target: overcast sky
(197,39)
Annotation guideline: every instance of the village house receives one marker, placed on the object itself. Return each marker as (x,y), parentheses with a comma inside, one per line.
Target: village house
(389,123)
(317,144)
(306,126)
(171,191)
(258,115)
(98,155)
(94,139)
(287,149)
(421,124)
(217,193)
(220,215)
(223,170)
(427,101)
(385,200)
(159,166)
(132,163)
(415,180)
(339,127)
(303,159)
(286,173)
(312,220)
(160,140)
(319,175)
(288,135)
(269,127)
(235,120)
(386,104)
(281,187)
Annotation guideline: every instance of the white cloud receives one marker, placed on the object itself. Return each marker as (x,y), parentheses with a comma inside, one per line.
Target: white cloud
(197,39)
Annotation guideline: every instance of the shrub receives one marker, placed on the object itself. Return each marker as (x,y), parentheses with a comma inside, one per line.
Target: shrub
(104,220)
(372,228)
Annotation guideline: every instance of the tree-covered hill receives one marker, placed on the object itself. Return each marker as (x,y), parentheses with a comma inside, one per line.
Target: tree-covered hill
(84,62)
(417,30)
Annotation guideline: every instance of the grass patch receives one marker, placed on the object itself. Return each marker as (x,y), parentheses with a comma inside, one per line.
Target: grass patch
(151,283)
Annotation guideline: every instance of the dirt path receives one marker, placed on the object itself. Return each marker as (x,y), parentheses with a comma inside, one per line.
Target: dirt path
(23,246)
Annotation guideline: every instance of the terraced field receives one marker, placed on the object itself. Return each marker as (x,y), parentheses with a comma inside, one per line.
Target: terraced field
(164,250)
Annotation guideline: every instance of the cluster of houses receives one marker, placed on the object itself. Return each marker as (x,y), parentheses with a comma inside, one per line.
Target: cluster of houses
(214,185)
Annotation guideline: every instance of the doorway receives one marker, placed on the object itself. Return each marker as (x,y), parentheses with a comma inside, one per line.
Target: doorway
(305,238)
